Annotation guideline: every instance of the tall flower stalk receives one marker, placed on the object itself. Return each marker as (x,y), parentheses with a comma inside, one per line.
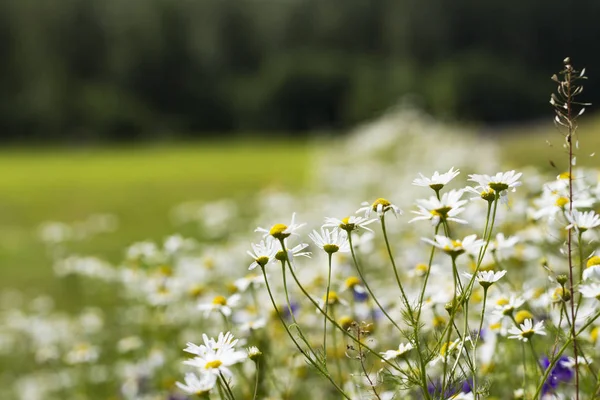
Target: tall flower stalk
(567,111)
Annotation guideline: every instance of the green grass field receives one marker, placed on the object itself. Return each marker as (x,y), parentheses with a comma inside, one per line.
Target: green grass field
(139,185)
(541,146)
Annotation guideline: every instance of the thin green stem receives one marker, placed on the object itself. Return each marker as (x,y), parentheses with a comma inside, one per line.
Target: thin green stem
(227,387)
(338,326)
(326,307)
(256,379)
(389,251)
(367,286)
(485,290)
(338,365)
(308,358)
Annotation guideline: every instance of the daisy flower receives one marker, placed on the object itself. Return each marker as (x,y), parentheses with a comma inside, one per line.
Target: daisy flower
(263,252)
(349,224)
(592,269)
(380,206)
(253,353)
(469,244)
(437,181)
(503,246)
(499,183)
(290,254)
(403,348)
(331,241)
(216,357)
(195,385)
(438,210)
(591,290)
(486,278)
(506,306)
(582,221)
(281,231)
(221,304)
(527,330)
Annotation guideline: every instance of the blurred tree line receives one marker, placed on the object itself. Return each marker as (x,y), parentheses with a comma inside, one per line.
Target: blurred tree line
(119,69)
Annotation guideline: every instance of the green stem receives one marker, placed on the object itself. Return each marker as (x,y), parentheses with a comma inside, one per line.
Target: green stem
(256,379)
(326,309)
(227,387)
(338,366)
(338,326)
(389,251)
(367,286)
(308,358)
(485,290)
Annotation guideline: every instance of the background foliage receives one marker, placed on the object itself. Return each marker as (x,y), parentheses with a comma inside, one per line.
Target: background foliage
(83,70)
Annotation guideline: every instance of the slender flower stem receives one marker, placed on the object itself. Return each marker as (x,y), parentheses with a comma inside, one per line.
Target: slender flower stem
(570,127)
(485,290)
(308,357)
(227,387)
(450,324)
(256,379)
(338,326)
(326,308)
(364,281)
(389,251)
(422,295)
(535,356)
(338,365)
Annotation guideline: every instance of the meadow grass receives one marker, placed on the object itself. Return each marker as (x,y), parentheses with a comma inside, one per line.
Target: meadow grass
(139,185)
(541,145)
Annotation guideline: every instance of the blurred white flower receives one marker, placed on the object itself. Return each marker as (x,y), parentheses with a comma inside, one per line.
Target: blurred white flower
(437,181)
(582,221)
(469,244)
(281,231)
(380,206)
(438,210)
(331,241)
(527,330)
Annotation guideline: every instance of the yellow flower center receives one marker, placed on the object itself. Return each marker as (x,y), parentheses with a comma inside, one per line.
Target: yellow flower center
(564,175)
(345,322)
(278,231)
(384,203)
(522,316)
(594,334)
(439,321)
(347,225)
(332,299)
(562,201)
(196,291)
(219,300)
(496,326)
(421,269)
(502,301)
(593,261)
(441,212)
(213,364)
(488,195)
(352,281)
